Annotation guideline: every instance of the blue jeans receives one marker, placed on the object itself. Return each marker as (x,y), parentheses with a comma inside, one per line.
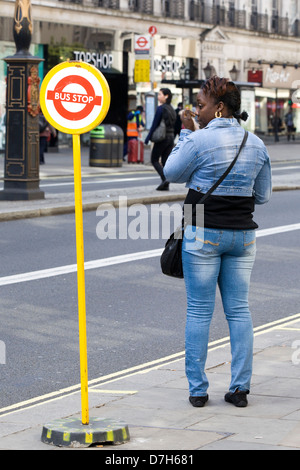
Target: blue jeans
(226,258)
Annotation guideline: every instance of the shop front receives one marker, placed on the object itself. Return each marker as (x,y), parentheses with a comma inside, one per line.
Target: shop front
(275,100)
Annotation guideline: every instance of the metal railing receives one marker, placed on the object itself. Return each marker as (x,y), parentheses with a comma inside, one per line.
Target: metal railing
(217,15)
(173,8)
(78,2)
(280,25)
(259,22)
(141,6)
(112,4)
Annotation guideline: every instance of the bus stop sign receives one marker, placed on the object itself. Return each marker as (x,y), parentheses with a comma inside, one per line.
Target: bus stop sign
(75,97)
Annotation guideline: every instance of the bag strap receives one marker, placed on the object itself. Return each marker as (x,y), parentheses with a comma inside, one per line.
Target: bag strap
(212,189)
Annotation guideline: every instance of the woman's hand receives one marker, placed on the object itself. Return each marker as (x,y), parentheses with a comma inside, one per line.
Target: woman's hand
(187,118)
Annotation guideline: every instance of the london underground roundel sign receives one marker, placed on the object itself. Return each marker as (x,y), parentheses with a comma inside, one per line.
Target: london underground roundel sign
(75,97)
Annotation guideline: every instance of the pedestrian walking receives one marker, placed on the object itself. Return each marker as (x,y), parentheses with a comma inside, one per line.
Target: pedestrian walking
(277,125)
(223,250)
(289,122)
(162,148)
(46,130)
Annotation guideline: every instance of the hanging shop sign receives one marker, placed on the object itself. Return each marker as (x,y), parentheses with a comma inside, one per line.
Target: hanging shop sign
(255,76)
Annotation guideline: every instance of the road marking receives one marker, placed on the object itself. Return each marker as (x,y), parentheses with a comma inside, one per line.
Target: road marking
(276,230)
(113,392)
(132,371)
(287,329)
(286,168)
(117,180)
(101,263)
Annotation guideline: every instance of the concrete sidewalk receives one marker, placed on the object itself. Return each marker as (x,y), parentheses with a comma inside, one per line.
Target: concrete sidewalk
(153,402)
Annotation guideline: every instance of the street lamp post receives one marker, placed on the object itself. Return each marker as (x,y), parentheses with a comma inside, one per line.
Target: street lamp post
(234,73)
(21,164)
(208,71)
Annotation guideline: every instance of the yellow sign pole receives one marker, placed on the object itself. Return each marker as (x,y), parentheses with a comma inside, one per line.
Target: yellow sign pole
(81,280)
(59,92)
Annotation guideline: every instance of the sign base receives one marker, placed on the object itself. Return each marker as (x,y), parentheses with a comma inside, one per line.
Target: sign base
(70,432)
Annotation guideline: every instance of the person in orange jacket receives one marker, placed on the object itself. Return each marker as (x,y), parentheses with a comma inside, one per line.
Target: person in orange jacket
(135,124)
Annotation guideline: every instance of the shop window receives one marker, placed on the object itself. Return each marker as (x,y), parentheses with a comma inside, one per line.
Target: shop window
(171,50)
(58,52)
(104,42)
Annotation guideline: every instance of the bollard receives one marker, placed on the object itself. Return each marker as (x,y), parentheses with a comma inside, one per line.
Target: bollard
(106,146)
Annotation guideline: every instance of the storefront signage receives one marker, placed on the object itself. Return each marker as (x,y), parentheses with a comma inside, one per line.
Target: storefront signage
(280,77)
(101,60)
(255,76)
(166,65)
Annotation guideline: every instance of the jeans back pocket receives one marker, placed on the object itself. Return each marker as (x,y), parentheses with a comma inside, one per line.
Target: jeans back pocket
(203,239)
(250,241)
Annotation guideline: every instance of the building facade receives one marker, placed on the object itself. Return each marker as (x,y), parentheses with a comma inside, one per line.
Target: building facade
(255,42)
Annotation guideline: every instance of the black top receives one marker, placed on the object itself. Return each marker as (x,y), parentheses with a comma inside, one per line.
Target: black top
(224,212)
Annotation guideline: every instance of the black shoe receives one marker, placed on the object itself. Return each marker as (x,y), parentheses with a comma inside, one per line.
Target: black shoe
(198,402)
(164,186)
(237,398)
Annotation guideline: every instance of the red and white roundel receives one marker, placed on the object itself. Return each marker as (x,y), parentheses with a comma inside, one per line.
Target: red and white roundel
(75,97)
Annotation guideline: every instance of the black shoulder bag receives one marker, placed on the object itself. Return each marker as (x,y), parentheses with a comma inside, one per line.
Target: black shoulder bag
(171,258)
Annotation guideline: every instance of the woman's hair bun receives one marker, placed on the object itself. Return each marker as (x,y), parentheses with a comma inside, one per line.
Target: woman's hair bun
(243,116)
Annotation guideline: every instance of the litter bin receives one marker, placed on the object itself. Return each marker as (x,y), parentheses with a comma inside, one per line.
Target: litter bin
(106,146)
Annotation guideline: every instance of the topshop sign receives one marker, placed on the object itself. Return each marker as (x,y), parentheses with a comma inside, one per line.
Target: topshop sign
(101,60)
(166,65)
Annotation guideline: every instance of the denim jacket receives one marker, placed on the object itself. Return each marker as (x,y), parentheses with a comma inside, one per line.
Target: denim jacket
(200,158)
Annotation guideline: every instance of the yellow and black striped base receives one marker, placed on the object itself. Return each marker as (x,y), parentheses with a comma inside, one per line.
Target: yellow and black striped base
(70,432)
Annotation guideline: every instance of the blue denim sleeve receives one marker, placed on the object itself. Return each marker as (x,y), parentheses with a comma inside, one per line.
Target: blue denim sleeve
(263,183)
(182,161)
(155,123)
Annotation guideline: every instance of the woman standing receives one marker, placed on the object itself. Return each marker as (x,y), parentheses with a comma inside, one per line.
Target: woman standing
(163,149)
(223,251)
